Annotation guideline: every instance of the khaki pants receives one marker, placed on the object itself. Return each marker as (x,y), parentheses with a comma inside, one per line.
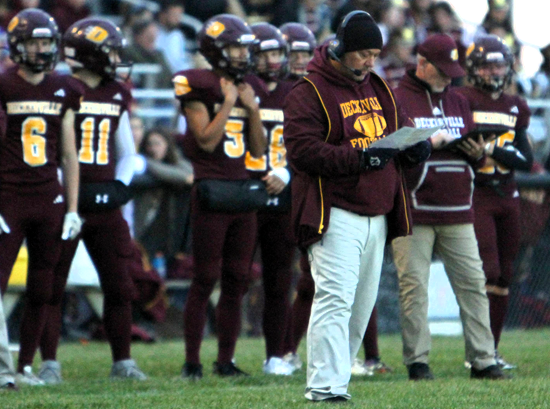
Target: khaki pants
(457,247)
(6,361)
(346,266)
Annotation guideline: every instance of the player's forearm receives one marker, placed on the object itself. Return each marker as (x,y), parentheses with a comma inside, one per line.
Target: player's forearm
(71,178)
(256,138)
(213,133)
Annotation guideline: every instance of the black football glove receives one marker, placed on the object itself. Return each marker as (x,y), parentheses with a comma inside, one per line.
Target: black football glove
(376,158)
(417,153)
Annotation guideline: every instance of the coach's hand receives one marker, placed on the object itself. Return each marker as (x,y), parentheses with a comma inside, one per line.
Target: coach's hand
(376,158)
(4,228)
(71,226)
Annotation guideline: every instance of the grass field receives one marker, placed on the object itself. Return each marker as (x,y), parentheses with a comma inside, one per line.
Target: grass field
(86,369)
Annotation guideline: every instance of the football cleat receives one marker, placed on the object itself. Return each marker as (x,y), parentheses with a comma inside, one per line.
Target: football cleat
(28,378)
(360,369)
(293,359)
(50,372)
(191,371)
(277,366)
(377,366)
(127,369)
(228,369)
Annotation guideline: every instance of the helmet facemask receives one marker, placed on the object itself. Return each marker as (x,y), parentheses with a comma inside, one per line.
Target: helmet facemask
(36,61)
(271,64)
(236,59)
(492,77)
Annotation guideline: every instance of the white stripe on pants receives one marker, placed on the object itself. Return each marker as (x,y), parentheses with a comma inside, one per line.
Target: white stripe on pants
(6,362)
(346,266)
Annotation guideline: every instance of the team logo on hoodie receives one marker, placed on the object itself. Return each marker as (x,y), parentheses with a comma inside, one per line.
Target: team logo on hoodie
(371,125)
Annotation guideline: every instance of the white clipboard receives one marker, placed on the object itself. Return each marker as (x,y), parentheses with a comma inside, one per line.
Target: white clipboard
(404,138)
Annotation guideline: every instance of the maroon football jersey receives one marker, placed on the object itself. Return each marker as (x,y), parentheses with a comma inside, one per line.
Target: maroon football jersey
(508,111)
(29,151)
(271,112)
(227,159)
(96,124)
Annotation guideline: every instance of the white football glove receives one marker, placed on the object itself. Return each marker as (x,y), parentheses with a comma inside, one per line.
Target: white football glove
(71,226)
(4,228)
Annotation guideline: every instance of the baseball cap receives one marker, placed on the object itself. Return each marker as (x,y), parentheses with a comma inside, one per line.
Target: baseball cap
(440,50)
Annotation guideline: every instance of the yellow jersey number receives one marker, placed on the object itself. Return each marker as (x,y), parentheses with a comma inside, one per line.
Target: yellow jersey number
(276,153)
(499,142)
(33,130)
(86,153)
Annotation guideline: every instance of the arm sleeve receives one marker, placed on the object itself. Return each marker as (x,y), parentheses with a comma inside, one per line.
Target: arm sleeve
(518,156)
(125,150)
(306,128)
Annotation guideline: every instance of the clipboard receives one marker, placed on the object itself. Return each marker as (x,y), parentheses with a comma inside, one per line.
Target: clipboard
(404,138)
(486,133)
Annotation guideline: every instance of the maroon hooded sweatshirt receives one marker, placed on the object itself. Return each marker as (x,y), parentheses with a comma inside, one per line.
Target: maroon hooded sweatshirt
(440,188)
(328,118)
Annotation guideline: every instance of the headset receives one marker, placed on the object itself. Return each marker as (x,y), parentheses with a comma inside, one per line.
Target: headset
(336,47)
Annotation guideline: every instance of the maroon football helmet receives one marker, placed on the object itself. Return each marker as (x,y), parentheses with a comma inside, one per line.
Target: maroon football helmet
(89,43)
(488,49)
(299,39)
(269,38)
(217,34)
(32,24)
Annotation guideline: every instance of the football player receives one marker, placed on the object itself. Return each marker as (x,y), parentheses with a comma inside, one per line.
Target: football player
(224,123)
(301,43)
(105,145)
(496,199)
(40,110)
(274,234)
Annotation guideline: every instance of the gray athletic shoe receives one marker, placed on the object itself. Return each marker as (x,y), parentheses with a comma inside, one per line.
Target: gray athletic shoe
(127,369)
(294,360)
(50,372)
(28,378)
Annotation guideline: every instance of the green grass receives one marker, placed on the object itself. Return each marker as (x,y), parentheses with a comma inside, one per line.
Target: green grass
(86,369)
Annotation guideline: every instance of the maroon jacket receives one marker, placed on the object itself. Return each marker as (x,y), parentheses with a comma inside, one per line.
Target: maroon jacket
(328,119)
(440,188)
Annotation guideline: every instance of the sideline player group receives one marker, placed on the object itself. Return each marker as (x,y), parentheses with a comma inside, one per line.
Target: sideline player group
(238,123)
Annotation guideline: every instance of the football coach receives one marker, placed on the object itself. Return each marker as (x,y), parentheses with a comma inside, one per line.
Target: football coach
(347,199)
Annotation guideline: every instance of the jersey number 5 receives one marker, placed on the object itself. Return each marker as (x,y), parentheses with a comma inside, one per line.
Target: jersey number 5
(86,153)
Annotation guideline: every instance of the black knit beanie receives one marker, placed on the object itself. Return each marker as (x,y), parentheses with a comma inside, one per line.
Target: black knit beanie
(361,32)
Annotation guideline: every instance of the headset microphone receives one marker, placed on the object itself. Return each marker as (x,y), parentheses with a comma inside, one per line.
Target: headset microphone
(333,55)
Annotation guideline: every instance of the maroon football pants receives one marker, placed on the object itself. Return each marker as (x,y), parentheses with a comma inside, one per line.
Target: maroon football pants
(107,238)
(277,249)
(497,230)
(223,246)
(38,219)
